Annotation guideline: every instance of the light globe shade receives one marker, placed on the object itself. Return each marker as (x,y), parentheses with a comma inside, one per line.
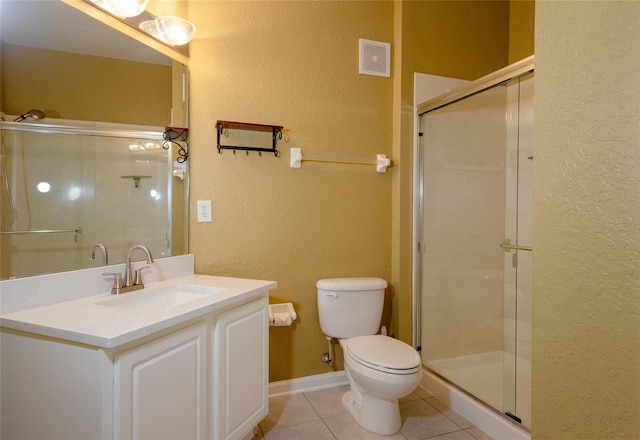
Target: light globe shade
(126,8)
(175,30)
(151,28)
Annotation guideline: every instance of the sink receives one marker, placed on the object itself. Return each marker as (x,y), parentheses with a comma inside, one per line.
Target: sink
(161,297)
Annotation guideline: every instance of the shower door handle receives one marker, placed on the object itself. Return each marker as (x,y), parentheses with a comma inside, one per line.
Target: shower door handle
(507,246)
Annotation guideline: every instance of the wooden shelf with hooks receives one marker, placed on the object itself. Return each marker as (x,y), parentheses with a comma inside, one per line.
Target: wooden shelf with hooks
(275,130)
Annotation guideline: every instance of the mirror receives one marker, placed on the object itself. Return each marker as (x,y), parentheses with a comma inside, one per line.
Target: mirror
(86,161)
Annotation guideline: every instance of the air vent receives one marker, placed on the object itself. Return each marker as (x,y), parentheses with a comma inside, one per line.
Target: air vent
(375,58)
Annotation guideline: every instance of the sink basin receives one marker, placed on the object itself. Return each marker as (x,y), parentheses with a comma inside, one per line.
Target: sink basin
(161,297)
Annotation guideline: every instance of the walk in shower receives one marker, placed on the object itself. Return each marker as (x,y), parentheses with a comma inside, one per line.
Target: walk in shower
(473,274)
(72,184)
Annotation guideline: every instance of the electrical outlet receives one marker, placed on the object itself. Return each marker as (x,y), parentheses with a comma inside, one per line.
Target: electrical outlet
(204,211)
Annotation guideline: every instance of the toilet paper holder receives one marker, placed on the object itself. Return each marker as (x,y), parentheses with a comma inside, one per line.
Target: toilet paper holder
(281,314)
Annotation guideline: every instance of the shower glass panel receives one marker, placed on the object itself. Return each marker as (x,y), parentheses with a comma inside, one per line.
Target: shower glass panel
(64,192)
(477,165)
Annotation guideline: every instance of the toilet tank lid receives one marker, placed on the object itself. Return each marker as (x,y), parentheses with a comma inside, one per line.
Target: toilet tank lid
(368,283)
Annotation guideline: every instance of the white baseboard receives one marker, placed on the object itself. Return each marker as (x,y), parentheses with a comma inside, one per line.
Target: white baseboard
(308,383)
(481,416)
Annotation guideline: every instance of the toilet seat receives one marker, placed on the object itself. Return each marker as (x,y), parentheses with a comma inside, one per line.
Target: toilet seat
(383,353)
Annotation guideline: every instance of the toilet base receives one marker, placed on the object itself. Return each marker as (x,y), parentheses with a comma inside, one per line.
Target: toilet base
(374,414)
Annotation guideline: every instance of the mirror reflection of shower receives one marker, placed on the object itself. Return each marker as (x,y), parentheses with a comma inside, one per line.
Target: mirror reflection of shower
(31,114)
(66,193)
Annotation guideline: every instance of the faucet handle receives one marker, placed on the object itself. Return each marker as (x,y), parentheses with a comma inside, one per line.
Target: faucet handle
(117,282)
(137,280)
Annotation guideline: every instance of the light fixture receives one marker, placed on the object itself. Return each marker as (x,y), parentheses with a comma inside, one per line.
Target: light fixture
(176,31)
(143,146)
(123,8)
(151,28)
(172,30)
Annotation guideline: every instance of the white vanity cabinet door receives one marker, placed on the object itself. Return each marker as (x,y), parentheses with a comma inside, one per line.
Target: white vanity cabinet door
(160,388)
(52,390)
(240,370)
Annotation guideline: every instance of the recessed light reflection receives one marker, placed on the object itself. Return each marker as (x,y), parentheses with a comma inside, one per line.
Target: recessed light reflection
(74,193)
(154,194)
(43,187)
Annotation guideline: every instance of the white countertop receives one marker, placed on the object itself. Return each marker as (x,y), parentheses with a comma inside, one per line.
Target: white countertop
(86,321)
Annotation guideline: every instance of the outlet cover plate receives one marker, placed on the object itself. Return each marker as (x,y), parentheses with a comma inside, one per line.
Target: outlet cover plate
(204,211)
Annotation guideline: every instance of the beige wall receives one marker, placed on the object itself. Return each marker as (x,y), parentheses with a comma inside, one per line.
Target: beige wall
(521,29)
(293,64)
(296,64)
(89,88)
(586,325)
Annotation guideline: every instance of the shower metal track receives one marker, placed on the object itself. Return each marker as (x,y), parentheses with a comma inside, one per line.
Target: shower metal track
(515,70)
(80,131)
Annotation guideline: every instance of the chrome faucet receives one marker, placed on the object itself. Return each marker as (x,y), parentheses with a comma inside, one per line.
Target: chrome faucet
(103,250)
(133,279)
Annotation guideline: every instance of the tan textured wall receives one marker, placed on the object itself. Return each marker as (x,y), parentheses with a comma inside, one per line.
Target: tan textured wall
(521,29)
(293,64)
(88,88)
(586,325)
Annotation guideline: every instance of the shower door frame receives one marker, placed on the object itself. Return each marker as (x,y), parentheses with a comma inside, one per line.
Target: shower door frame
(513,71)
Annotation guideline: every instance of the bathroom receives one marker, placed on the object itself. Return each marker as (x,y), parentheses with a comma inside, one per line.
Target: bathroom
(295,64)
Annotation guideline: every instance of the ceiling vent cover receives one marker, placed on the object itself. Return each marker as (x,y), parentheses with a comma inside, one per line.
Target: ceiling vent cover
(375,58)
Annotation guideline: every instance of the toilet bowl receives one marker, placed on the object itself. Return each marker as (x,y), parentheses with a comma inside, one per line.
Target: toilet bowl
(380,369)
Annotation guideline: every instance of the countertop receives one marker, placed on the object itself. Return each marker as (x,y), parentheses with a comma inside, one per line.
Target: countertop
(86,321)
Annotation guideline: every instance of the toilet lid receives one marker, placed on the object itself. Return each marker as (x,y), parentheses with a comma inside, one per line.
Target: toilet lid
(384,353)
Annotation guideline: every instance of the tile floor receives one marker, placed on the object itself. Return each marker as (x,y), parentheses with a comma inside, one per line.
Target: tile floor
(319,415)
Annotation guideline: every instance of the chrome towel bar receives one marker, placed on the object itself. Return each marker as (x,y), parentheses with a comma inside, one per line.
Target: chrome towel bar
(45,231)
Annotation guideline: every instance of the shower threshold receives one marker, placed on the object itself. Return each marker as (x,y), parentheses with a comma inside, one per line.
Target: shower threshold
(482,377)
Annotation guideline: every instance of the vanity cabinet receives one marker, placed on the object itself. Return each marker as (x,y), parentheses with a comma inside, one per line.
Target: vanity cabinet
(160,388)
(203,379)
(240,370)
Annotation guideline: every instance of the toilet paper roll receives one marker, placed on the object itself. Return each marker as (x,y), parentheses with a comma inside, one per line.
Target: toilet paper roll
(281,315)
(281,319)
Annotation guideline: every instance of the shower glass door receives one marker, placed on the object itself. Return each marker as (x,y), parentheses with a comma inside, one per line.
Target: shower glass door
(477,165)
(62,192)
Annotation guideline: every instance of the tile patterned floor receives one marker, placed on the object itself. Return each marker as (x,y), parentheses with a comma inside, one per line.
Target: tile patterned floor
(319,415)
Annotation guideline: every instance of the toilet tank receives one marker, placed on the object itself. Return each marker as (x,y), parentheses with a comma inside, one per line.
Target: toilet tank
(349,307)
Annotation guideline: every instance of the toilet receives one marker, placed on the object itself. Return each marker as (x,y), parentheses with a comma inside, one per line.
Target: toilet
(380,369)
